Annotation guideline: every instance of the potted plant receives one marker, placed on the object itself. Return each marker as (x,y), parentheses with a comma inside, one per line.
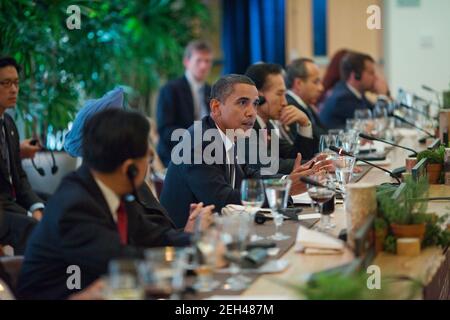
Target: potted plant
(405,215)
(435,161)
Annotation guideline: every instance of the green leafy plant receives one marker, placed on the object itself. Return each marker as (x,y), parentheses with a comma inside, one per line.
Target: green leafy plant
(434,156)
(436,233)
(390,244)
(337,286)
(411,208)
(131,43)
(406,209)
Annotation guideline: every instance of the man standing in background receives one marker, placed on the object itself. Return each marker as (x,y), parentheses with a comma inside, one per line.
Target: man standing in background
(184,100)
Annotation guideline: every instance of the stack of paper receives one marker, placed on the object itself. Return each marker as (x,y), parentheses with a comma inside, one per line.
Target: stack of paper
(315,242)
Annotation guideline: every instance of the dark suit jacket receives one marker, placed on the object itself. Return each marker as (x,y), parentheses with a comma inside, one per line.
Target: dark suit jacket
(340,106)
(284,157)
(78,229)
(318,128)
(175,110)
(25,196)
(208,183)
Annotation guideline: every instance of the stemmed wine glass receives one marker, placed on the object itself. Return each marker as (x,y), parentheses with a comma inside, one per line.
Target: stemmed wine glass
(252,197)
(277,191)
(343,169)
(321,195)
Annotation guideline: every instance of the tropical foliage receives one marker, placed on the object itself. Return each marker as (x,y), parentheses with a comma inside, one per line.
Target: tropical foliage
(131,43)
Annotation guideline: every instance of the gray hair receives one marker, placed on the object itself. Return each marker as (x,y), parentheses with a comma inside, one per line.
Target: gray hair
(296,69)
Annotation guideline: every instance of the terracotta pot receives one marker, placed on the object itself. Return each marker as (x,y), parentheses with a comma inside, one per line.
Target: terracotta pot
(434,172)
(408,230)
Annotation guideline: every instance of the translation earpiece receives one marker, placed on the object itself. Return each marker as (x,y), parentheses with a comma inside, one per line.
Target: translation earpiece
(132,171)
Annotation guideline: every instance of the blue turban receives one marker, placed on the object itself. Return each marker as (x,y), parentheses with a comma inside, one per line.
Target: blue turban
(73,139)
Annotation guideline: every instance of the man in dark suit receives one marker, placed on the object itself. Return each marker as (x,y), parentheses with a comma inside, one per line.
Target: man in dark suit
(91,219)
(16,196)
(184,100)
(207,169)
(304,89)
(358,76)
(274,113)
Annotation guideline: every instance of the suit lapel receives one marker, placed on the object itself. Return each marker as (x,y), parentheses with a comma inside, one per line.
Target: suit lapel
(9,138)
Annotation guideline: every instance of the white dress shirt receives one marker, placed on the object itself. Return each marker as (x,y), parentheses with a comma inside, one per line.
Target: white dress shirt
(198,94)
(229,146)
(112,199)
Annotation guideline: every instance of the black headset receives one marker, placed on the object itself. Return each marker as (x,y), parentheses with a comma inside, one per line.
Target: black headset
(132,173)
(261,101)
(40,170)
(358,76)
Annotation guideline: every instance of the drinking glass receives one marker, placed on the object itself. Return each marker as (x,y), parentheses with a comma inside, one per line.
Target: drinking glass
(122,281)
(252,197)
(363,114)
(234,230)
(277,192)
(321,195)
(206,256)
(343,169)
(163,271)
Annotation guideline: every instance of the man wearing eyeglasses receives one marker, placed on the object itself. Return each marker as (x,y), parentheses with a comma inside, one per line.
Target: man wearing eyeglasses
(16,196)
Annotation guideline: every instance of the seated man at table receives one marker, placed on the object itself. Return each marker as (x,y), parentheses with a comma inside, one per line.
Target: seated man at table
(304,89)
(194,176)
(358,76)
(91,218)
(73,140)
(293,125)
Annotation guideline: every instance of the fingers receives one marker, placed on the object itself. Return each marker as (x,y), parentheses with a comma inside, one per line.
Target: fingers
(298,161)
(195,209)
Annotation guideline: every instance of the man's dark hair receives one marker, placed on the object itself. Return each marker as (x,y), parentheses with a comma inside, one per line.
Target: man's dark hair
(259,72)
(223,87)
(296,69)
(354,62)
(9,61)
(196,45)
(112,136)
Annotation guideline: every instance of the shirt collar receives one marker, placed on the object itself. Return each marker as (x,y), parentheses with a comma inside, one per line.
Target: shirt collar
(226,141)
(298,99)
(261,122)
(112,199)
(192,81)
(354,91)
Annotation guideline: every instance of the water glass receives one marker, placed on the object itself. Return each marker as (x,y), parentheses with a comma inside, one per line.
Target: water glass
(277,192)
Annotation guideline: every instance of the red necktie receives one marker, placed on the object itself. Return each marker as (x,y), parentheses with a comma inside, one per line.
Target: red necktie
(122,223)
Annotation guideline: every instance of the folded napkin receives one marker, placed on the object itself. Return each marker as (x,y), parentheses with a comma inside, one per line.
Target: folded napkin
(302,198)
(236,209)
(314,242)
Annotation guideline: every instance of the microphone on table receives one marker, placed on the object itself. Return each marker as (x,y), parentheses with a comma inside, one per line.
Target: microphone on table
(396,116)
(404,105)
(345,153)
(367,137)
(318,184)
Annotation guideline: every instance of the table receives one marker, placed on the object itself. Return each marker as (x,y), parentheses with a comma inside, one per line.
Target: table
(432,266)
